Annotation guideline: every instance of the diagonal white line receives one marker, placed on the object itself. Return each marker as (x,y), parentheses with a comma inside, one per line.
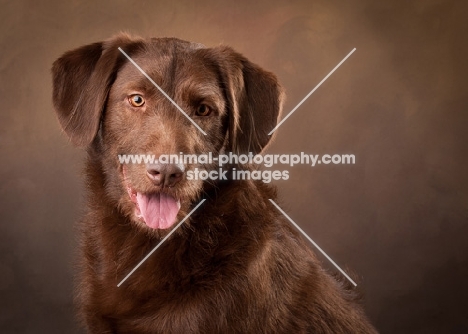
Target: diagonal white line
(161,242)
(311,92)
(313,242)
(162,91)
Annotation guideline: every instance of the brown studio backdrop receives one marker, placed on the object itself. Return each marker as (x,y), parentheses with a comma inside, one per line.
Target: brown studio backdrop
(397,218)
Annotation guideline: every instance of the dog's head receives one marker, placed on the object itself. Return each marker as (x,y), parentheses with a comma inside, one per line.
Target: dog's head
(104,102)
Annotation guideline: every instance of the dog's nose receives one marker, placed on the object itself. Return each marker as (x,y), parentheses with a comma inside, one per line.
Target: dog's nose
(164,175)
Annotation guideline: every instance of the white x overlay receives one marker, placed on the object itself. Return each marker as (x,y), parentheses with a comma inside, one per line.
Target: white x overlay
(271,132)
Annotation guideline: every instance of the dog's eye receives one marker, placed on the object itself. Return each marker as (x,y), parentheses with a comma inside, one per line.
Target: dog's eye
(136,100)
(203,110)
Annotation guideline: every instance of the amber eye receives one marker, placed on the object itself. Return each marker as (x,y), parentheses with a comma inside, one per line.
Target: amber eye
(136,100)
(203,110)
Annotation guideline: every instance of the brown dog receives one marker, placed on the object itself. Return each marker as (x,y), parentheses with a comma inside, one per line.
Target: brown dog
(235,265)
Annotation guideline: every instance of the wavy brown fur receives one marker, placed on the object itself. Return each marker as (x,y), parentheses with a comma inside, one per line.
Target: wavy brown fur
(236,265)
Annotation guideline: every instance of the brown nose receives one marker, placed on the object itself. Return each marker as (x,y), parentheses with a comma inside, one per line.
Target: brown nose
(164,175)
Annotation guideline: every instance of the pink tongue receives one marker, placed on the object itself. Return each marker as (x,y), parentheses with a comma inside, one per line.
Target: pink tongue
(158,210)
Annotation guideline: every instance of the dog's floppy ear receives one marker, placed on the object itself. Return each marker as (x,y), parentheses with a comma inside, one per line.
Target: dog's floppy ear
(81,82)
(255,100)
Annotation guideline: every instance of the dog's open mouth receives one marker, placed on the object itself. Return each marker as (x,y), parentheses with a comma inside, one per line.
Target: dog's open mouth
(157,210)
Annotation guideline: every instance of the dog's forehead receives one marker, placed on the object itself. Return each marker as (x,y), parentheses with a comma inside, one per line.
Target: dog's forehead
(169,59)
(163,57)
(167,49)
(174,43)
